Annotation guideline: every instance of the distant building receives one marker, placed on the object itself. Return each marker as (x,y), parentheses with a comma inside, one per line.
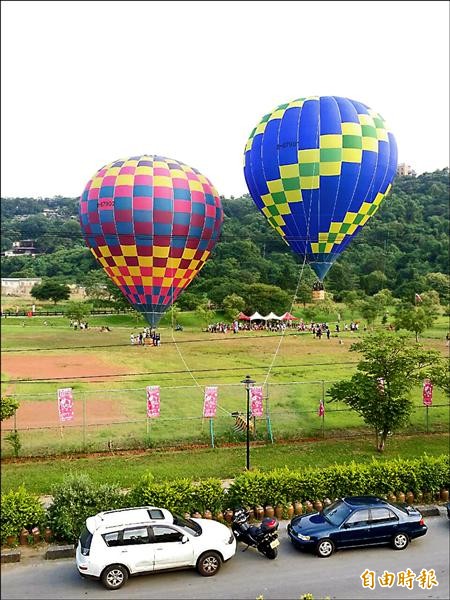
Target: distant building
(405,170)
(50,212)
(22,248)
(12,286)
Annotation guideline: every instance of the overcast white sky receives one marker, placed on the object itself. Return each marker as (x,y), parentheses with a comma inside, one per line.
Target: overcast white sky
(85,83)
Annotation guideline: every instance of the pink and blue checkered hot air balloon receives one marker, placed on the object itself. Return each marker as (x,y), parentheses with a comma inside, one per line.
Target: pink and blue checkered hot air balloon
(151,222)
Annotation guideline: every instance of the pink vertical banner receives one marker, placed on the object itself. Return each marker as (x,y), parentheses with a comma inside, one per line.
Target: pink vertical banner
(153,401)
(321,411)
(427,392)
(256,396)
(210,402)
(65,404)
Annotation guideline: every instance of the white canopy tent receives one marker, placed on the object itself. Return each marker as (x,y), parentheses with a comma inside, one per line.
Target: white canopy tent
(257,316)
(272,317)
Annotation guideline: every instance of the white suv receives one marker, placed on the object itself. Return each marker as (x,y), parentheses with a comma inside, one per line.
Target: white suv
(120,543)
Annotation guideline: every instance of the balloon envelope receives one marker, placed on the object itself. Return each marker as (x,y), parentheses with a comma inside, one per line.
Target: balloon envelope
(318,169)
(151,222)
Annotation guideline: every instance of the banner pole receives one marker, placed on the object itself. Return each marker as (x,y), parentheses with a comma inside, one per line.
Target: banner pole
(211,429)
(84,421)
(427,419)
(323,404)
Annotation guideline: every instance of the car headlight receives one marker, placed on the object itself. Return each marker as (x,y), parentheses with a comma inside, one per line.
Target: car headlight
(305,538)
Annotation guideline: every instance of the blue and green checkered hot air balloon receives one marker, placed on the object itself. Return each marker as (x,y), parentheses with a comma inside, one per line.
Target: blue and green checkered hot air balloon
(318,168)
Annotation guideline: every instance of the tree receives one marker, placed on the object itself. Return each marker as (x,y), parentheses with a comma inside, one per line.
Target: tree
(232,305)
(304,294)
(95,286)
(370,309)
(50,290)
(414,318)
(265,298)
(8,407)
(379,390)
(78,310)
(439,282)
(440,375)
(204,311)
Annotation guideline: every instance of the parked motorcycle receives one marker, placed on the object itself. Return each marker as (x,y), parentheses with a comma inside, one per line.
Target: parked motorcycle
(264,537)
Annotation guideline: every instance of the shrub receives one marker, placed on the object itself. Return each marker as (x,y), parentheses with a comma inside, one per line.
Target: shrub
(208,494)
(77,498)
(174,495)
(20,509)
(378,478)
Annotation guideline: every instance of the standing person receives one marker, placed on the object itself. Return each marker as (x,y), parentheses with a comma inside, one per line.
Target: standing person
(132,339)
(328,333)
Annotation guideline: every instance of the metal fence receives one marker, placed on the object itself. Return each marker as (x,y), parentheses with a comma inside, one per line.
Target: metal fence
(115,419)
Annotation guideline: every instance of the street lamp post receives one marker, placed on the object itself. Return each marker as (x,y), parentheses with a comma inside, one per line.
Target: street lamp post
(248,382)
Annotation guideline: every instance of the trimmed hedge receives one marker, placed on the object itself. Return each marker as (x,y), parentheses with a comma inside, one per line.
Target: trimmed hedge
(78,497)
(426,474)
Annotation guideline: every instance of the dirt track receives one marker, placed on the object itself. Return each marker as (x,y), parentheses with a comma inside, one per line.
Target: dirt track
(44,413)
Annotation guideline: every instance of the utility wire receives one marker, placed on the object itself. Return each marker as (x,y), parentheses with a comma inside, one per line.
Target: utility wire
(153,373)
(192,341)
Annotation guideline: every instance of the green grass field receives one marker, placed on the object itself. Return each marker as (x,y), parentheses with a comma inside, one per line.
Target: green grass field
(224,463)
(295,369)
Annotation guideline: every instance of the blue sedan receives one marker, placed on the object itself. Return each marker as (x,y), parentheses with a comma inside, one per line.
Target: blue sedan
(356,521)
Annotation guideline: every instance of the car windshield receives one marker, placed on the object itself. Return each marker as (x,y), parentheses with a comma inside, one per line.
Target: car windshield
(191,526)
(337,512)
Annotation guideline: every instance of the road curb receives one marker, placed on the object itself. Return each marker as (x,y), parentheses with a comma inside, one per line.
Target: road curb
(54,552)
(10,556)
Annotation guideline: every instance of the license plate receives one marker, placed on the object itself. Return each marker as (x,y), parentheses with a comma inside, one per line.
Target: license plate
(275,543)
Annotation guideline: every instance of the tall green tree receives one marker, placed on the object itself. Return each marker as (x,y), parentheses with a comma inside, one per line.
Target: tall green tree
(50,290)
(379,390)
(233,305)
(414,318)
(78,310)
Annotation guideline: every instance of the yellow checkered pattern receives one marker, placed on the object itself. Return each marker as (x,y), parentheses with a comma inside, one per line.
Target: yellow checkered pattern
(340,229)
(171,272)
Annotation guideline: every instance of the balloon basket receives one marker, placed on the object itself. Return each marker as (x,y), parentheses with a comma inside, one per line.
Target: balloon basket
(318,295)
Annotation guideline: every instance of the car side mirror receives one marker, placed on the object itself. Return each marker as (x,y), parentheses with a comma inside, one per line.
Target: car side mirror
(347,525)
(184,539)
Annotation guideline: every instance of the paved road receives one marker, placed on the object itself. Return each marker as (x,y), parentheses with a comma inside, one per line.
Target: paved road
(249,574)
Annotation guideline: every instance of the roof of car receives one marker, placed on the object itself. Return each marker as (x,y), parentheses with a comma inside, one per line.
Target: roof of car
(364,501)
(128,516)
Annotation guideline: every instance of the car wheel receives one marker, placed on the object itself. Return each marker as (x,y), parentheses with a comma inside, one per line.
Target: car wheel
(114,577)
(400,541)
(208,564)
(325,548)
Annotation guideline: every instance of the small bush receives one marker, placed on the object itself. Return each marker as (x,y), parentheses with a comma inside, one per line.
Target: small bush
(77,498)
(176,495)
(20,509)
(208,494)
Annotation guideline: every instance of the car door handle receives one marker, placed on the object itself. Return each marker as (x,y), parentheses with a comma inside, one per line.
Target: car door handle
(160,548)
(124,551)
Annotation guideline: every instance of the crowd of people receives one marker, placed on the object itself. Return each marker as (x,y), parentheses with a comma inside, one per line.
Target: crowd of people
(147,337)
(75,324)
(317,329)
